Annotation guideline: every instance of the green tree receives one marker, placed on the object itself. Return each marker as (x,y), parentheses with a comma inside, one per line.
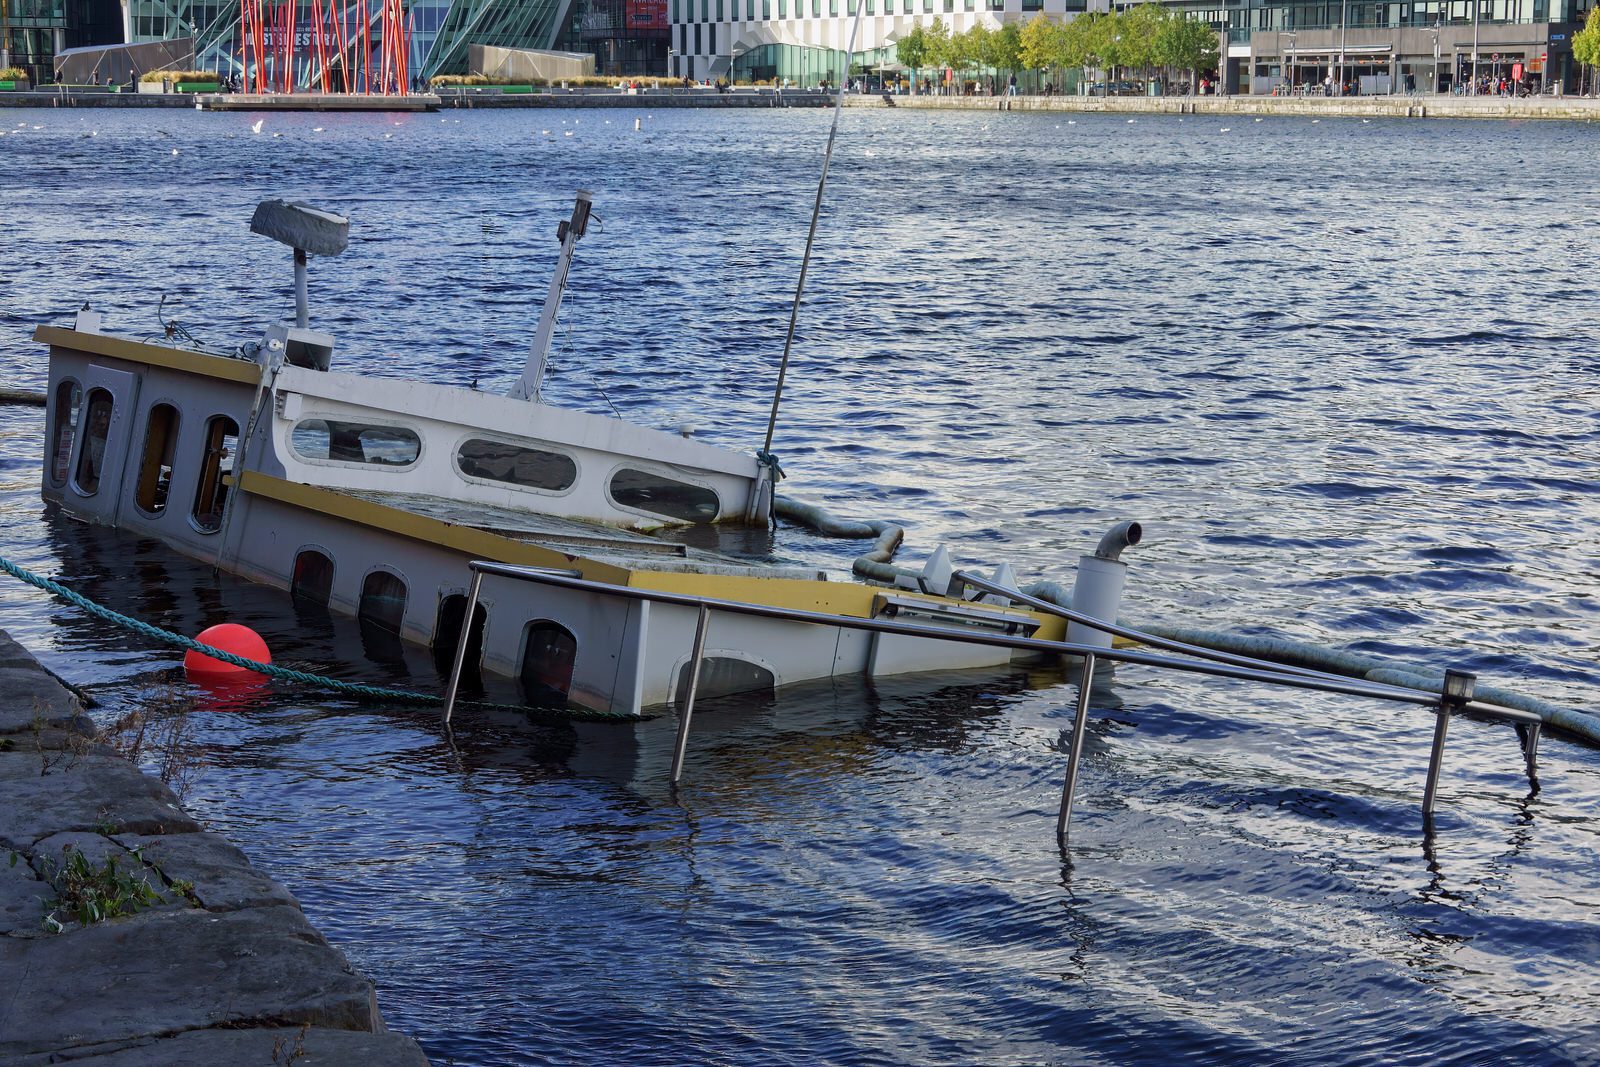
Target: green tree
(1036,42)
(911,51)
(1186,42)
(1005,47)
(938,35)
(1139,28)
(1586,43)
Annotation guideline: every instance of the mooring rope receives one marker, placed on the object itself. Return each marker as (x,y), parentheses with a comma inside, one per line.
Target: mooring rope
(288,674)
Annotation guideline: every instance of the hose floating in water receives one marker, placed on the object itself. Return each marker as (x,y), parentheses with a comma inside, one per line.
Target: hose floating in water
(1333,661)
(874,564)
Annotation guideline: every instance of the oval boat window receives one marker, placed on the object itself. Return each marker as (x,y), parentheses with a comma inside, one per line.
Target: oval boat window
(668,497)
(96,428)
(355,442)
(68,398)
(519,465)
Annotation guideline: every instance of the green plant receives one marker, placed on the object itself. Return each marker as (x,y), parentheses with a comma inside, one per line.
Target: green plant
(12,74)
(89,894)
(158,731)
(178,76)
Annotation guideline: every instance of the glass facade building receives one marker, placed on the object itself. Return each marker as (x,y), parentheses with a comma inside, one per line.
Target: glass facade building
(33,32)
(438,30)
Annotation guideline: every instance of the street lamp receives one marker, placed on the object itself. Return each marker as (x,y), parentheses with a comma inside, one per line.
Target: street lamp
(1291,58)
(1344,25)
(1477,6)
(1435,56)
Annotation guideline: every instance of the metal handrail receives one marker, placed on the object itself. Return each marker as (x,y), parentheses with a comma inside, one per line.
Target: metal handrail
(1456,698)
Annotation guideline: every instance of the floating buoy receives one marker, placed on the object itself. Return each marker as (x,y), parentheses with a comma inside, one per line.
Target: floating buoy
(229,637)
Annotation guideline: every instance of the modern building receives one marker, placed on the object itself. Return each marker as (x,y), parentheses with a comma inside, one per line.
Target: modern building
(33,32)
(806,41)
(1421,46)
(439,31)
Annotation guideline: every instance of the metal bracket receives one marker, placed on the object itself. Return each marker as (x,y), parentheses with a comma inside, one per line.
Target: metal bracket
(1457,692)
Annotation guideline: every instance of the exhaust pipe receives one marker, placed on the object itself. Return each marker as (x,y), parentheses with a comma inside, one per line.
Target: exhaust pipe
(1101,576)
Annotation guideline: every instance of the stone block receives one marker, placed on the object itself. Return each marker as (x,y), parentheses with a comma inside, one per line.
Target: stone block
(94,792)
(168,972)
(266,1046)
(222,876)
(31,693)
(23,895)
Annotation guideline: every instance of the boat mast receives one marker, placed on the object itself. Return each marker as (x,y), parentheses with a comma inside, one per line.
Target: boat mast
(528,385)
(811,236)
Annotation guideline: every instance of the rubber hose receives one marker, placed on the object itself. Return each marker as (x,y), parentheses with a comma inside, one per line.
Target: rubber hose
(874,564)
(1334,661)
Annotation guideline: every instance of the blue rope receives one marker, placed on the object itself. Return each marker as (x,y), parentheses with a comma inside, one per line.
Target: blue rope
(355,689)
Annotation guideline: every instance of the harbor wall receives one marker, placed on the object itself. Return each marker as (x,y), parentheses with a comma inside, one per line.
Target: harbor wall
(219,965)
(1569,108)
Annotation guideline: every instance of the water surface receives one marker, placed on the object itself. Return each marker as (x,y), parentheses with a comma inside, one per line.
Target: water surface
(1343,371)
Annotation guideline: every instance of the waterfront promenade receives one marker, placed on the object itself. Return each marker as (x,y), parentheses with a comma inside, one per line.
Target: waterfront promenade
(215,964)
(1402,106)
(1431,107)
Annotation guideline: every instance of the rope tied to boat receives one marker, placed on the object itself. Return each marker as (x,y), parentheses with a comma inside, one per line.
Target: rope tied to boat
(358,690)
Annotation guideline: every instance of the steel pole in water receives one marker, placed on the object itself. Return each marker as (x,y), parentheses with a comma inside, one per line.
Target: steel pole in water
(1079,721)
(688,701)
(461,646)
(1456,693)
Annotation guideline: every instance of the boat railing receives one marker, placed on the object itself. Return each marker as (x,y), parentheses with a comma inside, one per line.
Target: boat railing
(1456,696)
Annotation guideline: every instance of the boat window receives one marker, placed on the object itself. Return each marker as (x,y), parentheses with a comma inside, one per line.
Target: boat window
(216,466)
(155,468)
(68,397)
(548,653)
(313,577)
(447,635)
(355,442)
(96,428)
(383,601)
(519,465)
(659,495)
(722,676)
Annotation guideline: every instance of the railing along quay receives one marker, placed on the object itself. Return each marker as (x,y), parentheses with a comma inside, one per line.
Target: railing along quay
(1456,697)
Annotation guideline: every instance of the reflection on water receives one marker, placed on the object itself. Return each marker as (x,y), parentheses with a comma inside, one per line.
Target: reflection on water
(1308,357)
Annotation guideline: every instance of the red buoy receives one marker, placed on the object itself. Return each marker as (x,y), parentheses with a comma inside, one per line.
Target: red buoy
(229,637)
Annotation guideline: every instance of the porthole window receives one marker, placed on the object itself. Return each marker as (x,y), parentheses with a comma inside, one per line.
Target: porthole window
(155,465)
(519,465)
(313,577)
(383,601)
(381,613)
(96,428)
(355,442)
(549,652)
(447,635)
(659,495)
(216,465)
(722,676)
(68,398)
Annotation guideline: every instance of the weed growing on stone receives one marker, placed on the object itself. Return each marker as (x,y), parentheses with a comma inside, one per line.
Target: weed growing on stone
(287,1052)
(159,730)
(89,894)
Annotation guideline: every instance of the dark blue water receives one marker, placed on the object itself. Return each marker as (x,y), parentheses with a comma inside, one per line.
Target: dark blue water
(1345,373)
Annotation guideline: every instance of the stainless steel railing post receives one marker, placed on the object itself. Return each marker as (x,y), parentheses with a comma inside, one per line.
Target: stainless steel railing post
(461,646)
(1075,750)
(688,701)
(1458,686)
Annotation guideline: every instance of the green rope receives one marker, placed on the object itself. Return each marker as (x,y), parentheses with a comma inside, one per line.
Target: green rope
(355,689)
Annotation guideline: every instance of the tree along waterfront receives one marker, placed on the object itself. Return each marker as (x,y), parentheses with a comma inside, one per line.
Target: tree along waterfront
(1150,40)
